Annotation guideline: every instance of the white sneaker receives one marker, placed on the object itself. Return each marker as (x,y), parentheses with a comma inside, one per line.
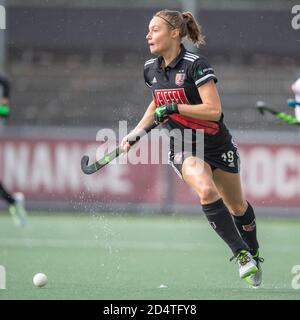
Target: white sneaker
(18,211)
(255,279)
(247,265)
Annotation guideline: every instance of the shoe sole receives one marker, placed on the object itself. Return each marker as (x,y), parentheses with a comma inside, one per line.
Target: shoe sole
(254,287)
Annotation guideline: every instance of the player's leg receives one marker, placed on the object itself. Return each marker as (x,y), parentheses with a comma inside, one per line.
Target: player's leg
(19,208)
(16,205)
(199,176)
(230,188)
(5,195)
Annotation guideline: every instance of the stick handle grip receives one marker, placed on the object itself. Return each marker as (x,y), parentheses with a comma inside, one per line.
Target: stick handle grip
(137,136)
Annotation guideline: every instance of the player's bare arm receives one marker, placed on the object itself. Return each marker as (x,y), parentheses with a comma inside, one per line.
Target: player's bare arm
(209,109)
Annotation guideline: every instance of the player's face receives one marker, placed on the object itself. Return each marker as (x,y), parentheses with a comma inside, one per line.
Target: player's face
(158,37)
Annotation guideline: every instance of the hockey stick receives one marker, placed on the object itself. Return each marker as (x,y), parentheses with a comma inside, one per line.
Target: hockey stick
(262,108)
(107,158)
(293,103)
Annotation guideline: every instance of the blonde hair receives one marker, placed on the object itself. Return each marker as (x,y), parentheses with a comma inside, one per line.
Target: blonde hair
(185,22)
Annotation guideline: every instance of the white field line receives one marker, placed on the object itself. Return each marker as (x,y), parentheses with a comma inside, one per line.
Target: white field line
(116,245)
(63,243)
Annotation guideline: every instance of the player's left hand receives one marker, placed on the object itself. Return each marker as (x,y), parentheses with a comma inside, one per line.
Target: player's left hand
(162,113)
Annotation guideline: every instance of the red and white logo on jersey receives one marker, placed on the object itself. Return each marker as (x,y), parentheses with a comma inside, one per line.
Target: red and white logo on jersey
(167,96)
(179,79)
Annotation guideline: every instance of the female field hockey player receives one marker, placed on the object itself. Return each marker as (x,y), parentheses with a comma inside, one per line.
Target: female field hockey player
(15,202)
(185,96)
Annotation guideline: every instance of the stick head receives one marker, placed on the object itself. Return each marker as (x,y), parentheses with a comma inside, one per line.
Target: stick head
(85,164)
(97,165)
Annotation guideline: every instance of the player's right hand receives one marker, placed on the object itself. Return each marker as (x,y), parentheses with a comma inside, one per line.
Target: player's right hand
(125,144)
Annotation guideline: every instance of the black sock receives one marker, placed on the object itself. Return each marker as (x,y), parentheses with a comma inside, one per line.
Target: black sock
(247,228)
(220,219)
(5,195)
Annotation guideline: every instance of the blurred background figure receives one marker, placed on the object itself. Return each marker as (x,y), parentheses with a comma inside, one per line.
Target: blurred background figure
(15,201)
(296,91)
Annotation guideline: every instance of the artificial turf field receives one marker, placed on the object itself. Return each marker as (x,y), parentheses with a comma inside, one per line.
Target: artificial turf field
(129,257)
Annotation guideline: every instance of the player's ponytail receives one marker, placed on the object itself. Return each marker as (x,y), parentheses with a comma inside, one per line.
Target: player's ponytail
(186,23)
(193,29)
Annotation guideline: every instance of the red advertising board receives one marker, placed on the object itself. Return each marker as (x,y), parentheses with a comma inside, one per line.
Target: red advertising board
(49,169)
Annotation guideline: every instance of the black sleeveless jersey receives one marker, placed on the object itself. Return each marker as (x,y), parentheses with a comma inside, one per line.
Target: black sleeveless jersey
(179,83)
